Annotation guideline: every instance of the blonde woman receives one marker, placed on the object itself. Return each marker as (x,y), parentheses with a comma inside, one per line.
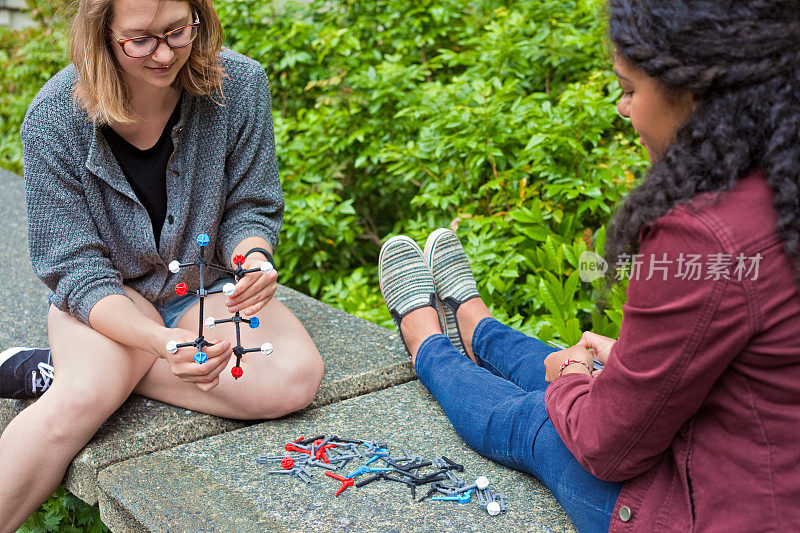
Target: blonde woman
(151,137)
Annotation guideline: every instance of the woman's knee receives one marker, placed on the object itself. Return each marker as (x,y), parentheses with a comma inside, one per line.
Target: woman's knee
(305,383)
(76,411)
(93,397)
(295,388)
(96,384)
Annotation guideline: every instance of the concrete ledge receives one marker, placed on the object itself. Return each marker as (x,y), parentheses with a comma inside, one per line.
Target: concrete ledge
(215,485)
(142,426)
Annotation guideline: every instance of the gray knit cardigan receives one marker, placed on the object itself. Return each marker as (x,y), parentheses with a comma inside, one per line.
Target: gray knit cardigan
(87,231)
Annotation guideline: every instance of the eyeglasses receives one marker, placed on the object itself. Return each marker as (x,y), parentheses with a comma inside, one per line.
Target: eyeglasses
(147,44)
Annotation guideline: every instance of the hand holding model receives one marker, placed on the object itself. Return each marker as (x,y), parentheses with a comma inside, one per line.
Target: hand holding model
(253,292)
(575,359)
(183,361)
(255,285)
(599,346)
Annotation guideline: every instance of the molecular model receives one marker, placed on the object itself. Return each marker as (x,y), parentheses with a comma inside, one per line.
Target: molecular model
(327,454)
(200,342)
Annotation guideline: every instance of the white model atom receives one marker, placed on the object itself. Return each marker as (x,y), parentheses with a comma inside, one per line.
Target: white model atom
(493,508)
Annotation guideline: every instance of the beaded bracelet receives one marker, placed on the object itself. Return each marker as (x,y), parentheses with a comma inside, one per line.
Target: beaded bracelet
(568,362)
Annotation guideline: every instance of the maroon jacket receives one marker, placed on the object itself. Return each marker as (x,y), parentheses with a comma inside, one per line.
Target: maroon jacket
(698,408)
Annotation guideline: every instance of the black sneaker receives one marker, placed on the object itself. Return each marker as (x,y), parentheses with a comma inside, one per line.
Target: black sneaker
(25,373)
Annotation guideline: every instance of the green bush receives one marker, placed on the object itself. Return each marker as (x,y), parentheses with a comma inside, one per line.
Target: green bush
(496,118)
(28,58)
(64,513)
(491,116)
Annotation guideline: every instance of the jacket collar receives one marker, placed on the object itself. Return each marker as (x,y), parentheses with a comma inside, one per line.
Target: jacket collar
(101,162)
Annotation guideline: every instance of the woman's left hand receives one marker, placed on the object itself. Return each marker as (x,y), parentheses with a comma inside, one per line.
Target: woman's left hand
(554,361)
(255,290)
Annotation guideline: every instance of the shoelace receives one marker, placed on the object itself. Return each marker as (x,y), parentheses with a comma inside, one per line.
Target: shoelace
(47,372)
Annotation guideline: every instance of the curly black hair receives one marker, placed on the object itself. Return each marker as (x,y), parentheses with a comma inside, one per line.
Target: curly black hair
(741,60)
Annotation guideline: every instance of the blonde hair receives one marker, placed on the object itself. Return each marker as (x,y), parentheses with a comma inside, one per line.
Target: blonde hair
(100,89)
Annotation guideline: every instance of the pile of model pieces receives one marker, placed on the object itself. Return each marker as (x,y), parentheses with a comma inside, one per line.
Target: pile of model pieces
(368,461)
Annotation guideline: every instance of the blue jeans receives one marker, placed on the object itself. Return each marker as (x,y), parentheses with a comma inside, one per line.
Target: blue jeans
(498,409)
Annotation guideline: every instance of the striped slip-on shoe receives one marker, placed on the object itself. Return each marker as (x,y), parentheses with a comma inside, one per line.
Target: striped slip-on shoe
(452,277)
(406,282)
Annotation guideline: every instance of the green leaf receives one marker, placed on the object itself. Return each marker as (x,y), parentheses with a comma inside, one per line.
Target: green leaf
(571,286)
(572,333)
(600,240)
(550,302)
(536,233)
(526,215)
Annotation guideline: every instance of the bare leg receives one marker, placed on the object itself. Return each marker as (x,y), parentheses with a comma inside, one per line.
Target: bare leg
(422,323)
(95,376)
(417,326)
(468,315)
(272,385)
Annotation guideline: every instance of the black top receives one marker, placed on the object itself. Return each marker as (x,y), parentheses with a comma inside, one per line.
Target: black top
(146,170)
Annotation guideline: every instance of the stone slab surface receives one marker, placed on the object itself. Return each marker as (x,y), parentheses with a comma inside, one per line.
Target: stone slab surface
(359,357)
(23,306)
(215,485)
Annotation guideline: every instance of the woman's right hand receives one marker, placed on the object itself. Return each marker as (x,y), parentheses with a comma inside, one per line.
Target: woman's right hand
(183,365)
(598,345)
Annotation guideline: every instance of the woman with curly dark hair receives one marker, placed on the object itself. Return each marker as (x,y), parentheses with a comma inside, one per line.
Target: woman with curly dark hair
(694,422)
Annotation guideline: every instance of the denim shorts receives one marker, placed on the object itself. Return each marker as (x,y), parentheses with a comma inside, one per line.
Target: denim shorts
(174,309)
